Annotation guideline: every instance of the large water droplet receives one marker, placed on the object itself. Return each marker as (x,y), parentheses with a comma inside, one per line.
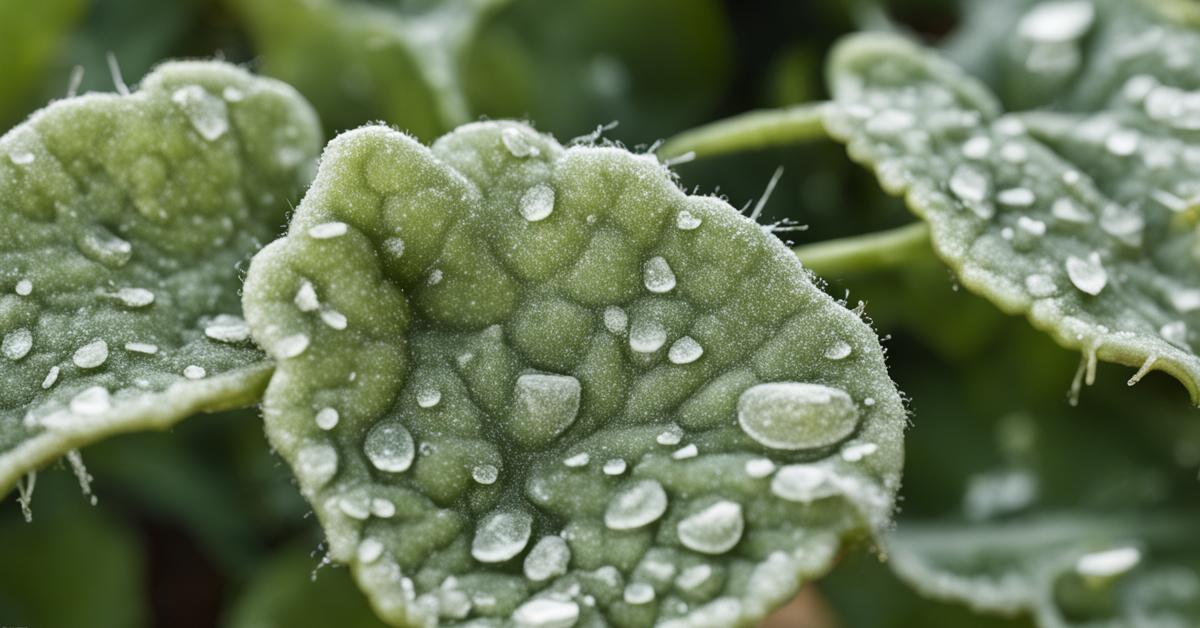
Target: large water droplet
(101,245)
(327,418)
(517,144)
(389,447)
(658,276)
(544,406)
(793,415)
(546,613)
(501,536)
(91,355)
(547,559)
(537,203)
(803,483)
(206,112)
(1087,275)
(17,344)
(636,504)
(714,530)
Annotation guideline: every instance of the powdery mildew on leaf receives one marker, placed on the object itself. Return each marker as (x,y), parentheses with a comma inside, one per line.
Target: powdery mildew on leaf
(1084,223)
(534,385)
(123,221)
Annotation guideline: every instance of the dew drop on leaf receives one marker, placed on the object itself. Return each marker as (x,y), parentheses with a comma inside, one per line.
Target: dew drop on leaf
(793,415)
(658,276)
(1087,274)
(537,203)
(501,536)
(714,530)
(546,613)
(548,558)
(390,447)
(17,344)
(636,504)
(91,355)
(685,351)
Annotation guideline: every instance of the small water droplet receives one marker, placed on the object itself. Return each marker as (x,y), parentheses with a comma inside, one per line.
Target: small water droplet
(51,377)
(658,276)
(334,319)
(1016,197)
(685,351)
(687,451)
(969,184)
(501,536)
(327,418)
(546,613)
(1175,333)
(227,328)
(291,346)
(24,287)
(135,297)
(232,94)
(193,371)
(1108,563)
(1057,22)
(485,474)
(638,593)
(389,447)
(839,350)
(977,147)
(857,451)
(693,577)
(647,336)
(429,397)
(369,550)
(687,221)
(759,467)
(1040,286)
(327,230)
(615,466)
(548,558)
(517,144)
(794,416)
(382,508)
(91,355)
(670,436)
(21,157)
(1185,300)
(578,460)
(714,530)
(636,504)
(537,203)
(306,297)
(141,347)
(17,344)
(1122,142)
(1087,275)
(1068,210)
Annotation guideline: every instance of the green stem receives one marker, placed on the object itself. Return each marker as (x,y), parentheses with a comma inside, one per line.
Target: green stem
(872,251)
(749,131)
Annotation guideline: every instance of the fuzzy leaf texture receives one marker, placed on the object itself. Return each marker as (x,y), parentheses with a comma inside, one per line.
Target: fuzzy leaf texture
(1085,222)
(535,385)
(123,222)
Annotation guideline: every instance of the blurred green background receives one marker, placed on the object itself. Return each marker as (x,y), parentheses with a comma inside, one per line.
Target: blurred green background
(203,527)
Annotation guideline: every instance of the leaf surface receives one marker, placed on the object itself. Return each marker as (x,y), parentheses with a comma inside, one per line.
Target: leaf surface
(123,221)
(528,383)
(1080,221)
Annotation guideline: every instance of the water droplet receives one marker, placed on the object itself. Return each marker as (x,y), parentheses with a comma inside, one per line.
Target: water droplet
(857,451)
(759,467)
(369,551)
(657,275)
(51,377)
(670,436)
(206,112)
(101,245)
(1040,286)
(291,346)
(977,147)
(636,504)
(969,184)
(1058,21)
(501,536)
(537,203)
(547,559)
(17,344)
(389,447)
(327,230)
(839,350)
(91,401)
(232,94)
(1122,224)
(804,483)
(1016,197)
(135,297)
(647,336)
(317,463)
(793,415)
(545,405)
(546,613)
(692,577)
(193,371)
(21,157)
(485,474)
(517,144)
(91,355)
(890,122)
(615,466)
(578,460)
(1108,563)
(1175,333)
(1185,300)
(638,593)
(306,297)
(429,397)
(141,347)
(24,287)
(615,319)
(334,319)
(687,451)
(382,508)
(687,221)
(714,530)
(685,351)
(227,328)
(356,506)
(1068,210)
(327,418)
(1122,142)
(1087,275)
(1014,153)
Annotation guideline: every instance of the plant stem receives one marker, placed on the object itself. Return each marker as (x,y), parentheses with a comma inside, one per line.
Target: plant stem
(872,251)
(749,131)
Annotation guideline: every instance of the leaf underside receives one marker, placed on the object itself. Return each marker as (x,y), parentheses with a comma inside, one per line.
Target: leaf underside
(1085,220)
(123,221)
(513,379)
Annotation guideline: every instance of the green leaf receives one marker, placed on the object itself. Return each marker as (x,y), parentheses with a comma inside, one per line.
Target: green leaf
(518,380)
(359,61)
(123,224)
(1077,222)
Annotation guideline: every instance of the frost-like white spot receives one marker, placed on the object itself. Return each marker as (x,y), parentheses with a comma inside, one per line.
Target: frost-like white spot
(21,157)
(687,221)
(647,336)
(636,504)
(501,536)
(389,446)
(793,415)
(306,297)
(193,371)
(1108,563)
(327,418)
(291,346)
(759,467)
(638,593)
(51,377)
(429,397)
(435,277)
(537,203)
(327,230)
(839,350)
(685,351)
(369,550)
(803,483)
(658,276)
(1087,275)
(485,474)
(135,297)
(24,287)
(615,466)
(714,530)
(141,347)
(548,558)
(317,463)
(1053,22)
(546,613)
(17,344)
(394,246)
(615,319)
(91,355)
(206,112)
(1040,286)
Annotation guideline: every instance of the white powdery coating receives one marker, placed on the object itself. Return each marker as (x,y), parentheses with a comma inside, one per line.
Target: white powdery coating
(17,344)
(537,203)
(548,558)
(327,230)
(546,613)
(1087,275)
(390,447)
(193,371)
(658,276)
(291,346)
(501,536)
(1108,563)
(327,418)
(135,297)
(635,505)
(91,355)
(685,351)
(714,530)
